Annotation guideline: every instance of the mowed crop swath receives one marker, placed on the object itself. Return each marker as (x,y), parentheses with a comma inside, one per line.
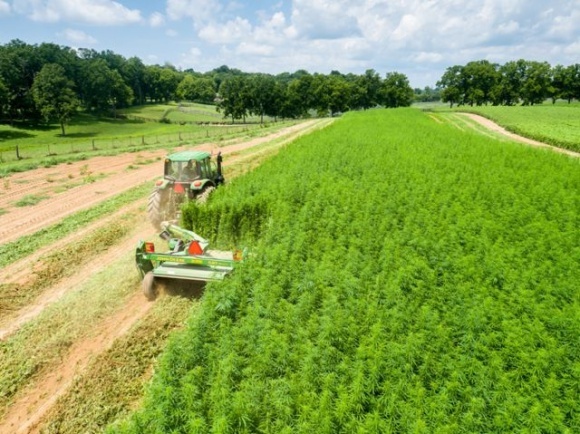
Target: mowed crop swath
(404,277)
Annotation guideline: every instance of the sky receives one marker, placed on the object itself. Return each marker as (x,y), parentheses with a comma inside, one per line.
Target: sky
(419,38)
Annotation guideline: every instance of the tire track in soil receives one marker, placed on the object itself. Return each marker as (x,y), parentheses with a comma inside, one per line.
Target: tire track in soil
(26,413)
(69,284)
(21,271)
(46,180)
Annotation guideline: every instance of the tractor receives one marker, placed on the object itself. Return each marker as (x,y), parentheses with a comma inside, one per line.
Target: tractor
(188,175)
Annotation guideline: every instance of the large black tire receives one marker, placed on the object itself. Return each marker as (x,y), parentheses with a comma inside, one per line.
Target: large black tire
(160,207)
(202,197)
(149,286)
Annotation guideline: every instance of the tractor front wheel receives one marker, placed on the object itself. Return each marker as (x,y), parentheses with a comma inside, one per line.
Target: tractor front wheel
(149,286)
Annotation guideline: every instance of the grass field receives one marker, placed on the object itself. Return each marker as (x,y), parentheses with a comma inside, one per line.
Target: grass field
(557,125)
(413,278)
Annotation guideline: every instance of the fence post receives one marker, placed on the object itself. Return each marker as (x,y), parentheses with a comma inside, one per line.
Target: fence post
(142,140)
(180,137)
(17,153)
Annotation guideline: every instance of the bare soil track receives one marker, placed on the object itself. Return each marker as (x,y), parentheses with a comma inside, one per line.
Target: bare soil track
(66,189)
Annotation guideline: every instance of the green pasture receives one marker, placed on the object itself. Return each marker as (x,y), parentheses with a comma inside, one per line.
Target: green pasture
(24,147)
(555,124)
(184,112)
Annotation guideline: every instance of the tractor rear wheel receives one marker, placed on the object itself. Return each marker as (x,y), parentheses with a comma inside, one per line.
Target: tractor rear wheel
(160,207)
(201,198)
(149,286)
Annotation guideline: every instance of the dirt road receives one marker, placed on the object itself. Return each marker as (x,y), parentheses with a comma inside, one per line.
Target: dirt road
(495,127)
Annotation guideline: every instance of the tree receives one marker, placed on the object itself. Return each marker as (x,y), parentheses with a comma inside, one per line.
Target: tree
(18,67)
(4,97)
(186,88)
(54,94)
(508,89)
(340,94)
(331,93)
(264,96)
(479,78)
(232,98)
(133,72)
(566,82)
(427,94)
(104,88)
(299,96)
(536,84)
(396,91)
(452,85)
(199,89)
(369,85)
(573,73)
(161,82)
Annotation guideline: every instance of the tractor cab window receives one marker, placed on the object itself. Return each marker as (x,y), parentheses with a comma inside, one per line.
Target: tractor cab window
(206,168)
(172,168)
(190,170)
(182,170)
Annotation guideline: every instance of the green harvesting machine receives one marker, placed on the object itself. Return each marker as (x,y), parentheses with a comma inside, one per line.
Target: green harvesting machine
(188,259)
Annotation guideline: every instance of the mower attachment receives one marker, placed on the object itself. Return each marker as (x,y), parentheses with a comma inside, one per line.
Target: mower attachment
(188,259)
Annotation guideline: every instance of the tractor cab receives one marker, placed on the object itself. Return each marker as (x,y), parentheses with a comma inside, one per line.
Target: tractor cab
(187,175)
(189,166)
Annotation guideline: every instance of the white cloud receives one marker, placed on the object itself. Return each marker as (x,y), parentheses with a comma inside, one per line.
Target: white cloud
(100,12)
(171,33)
(227,33)
(195,52)
(424,57)
(152,58)
(407,28)
(255,49)
(4,7)
(324,19)
(508,27)
(78,37)
(201,11)
(573,51)
(565,26)
(156,19)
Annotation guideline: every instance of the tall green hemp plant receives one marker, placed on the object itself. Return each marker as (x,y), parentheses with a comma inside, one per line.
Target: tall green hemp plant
(54,94)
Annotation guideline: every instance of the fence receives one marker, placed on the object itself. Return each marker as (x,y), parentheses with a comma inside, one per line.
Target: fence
(9,153)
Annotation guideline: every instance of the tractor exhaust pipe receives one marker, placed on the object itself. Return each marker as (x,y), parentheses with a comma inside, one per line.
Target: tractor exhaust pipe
(220,178)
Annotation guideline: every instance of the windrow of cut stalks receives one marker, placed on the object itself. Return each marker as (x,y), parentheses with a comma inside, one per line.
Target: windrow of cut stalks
(61,263)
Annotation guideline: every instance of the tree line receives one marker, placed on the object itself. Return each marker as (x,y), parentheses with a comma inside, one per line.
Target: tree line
(522,81)
(52,82)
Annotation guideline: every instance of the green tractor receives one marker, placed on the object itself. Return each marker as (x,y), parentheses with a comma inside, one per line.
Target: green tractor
(188,175)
